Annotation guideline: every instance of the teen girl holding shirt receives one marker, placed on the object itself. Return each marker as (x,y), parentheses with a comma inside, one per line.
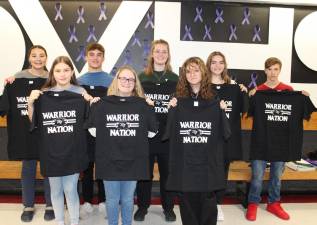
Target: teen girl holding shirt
(157,80)
(221,82)
(62,78)
(36,75)
(197,196)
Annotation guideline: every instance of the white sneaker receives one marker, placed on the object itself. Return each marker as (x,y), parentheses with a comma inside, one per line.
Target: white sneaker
(102,207)
(85,210)
(220,216)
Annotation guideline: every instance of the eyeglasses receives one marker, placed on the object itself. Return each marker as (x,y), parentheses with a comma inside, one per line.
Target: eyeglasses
(127,80)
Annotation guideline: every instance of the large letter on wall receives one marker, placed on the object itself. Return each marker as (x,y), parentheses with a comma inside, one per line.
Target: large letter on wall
(115,38)
(12,46)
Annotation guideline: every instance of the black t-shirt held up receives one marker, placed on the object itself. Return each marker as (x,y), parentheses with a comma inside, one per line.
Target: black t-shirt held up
(22,145)
(197,130)
(122,125)
(277,132)
(59,118)
(160,93)
(237,103)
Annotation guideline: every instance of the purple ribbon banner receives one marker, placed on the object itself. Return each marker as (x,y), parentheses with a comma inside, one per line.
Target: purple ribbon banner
(246,16)
(80,13)
(136,40)
(102,9)
(253,78)
(219,14)
(207,32)
(233,35)
(81,55)
(199,11)
(91,35)
(58,8)
(146,48)
(256,33)
(72,32)
(149,20)
(187,34)
(127,57)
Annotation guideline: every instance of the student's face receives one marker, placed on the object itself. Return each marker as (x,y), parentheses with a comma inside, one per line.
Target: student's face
(126,82)
(193,74)
(95,59)
(273,72)
(37,58)
(160,54)
(217,65)
(62,74)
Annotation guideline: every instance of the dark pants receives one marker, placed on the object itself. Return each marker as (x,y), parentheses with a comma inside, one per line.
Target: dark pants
(88,185)
(144,188)
(28,180)
(220,194)
(198,208)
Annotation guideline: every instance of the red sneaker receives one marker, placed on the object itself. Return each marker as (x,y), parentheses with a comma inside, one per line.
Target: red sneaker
(276,209)
(251,211)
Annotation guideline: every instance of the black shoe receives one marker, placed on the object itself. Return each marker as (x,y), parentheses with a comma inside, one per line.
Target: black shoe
(27,215)
(139,215)
(49,213)
(170,216)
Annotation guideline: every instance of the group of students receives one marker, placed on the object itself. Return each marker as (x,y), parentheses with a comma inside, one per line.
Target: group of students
(189,124)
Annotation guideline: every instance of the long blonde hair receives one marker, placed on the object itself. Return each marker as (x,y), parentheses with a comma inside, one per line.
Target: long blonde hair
(149,69)
(137,90)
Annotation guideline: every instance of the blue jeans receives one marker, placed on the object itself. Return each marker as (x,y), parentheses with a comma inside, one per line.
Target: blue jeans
(28,181)
(123,192)
(274,188)
(67,185)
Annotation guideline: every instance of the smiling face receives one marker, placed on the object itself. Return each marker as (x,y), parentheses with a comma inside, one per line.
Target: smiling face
(272,73)
(126,82)
(37,58)
(217,65)
(160,54)
(62,74)
(95,59)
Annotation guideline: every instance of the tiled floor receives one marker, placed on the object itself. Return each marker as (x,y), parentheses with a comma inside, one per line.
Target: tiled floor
(301,214)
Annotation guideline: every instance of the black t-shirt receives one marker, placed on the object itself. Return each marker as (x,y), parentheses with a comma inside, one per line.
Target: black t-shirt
(94,91)
(122,125)
(21,143)
(160,93)
(237,103)
(277,132)
(59,118)
(196,130)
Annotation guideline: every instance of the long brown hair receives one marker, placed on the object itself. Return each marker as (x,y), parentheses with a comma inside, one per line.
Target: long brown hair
(183,88)
(149,69)
(51,82)
(137,90)
(224,75)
